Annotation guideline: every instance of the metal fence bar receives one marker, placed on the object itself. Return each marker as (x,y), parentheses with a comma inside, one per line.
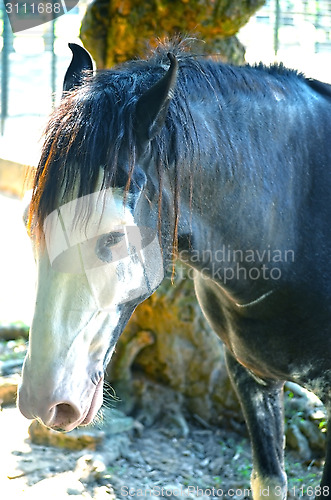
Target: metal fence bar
(276,27)
(53,64)
(5,67)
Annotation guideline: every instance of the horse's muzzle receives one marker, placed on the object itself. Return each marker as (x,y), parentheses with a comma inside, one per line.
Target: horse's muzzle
(60,413)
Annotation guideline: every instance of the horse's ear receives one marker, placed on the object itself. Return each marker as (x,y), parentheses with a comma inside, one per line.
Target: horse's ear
(152,106)
(81,60)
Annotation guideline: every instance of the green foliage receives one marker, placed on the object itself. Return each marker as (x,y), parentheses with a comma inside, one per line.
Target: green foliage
(13,349)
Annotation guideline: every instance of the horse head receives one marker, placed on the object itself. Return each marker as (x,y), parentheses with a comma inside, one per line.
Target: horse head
(98,256)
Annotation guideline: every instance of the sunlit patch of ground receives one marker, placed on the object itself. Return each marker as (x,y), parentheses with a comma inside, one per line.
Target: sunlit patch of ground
(31,472)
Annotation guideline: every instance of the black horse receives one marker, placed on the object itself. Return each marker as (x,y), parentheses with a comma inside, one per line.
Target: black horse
(226,168)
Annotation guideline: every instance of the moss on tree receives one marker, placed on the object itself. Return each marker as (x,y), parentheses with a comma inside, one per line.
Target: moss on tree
(117,30)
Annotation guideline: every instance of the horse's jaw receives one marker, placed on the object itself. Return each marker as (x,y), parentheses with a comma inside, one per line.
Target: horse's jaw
(96,404)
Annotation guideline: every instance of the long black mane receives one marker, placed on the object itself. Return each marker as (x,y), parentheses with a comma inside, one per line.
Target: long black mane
(95,123)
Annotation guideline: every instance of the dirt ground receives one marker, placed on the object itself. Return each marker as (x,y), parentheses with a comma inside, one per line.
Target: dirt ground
(154,462)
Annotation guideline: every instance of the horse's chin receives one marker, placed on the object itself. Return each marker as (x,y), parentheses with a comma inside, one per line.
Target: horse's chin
(96,404)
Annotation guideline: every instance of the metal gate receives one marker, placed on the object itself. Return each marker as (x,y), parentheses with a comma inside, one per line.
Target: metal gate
(32,64)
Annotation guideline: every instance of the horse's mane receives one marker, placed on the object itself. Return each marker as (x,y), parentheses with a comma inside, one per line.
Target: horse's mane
(91,127)
(94,123)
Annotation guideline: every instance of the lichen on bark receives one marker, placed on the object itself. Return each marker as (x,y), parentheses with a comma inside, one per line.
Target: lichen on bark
(117,30)
(168,342)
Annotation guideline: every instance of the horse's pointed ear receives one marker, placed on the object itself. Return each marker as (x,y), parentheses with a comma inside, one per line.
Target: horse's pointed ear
(152,106)
(81,60)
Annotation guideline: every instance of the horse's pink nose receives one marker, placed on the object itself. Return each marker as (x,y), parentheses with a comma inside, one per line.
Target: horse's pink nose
(58,406)
(62,416)
(59,401)
(53,412)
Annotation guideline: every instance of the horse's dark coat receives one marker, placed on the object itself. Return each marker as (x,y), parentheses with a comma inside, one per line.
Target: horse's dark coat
(241,161)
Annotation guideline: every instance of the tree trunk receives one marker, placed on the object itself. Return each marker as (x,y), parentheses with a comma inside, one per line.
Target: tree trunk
(117,30)
(168,356)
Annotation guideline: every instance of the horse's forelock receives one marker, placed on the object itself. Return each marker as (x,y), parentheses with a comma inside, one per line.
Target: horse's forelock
(84,134)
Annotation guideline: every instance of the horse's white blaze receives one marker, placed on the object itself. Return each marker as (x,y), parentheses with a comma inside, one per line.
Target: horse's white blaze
(83,281)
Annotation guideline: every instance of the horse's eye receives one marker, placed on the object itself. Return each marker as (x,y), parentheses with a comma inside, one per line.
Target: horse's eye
(105,243)
(113,238)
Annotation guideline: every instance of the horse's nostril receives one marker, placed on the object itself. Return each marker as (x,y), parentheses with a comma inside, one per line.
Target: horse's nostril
(63,414)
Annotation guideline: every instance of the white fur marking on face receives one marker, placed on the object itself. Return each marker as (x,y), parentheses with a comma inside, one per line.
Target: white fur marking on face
(95,259)
(131,270)
(104,210)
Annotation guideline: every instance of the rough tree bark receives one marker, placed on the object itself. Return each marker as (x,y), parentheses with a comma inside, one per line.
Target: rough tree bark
(117,30)
(168,358)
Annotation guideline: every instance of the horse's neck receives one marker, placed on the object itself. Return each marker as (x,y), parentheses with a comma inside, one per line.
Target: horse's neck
(247,179)
(229,219)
